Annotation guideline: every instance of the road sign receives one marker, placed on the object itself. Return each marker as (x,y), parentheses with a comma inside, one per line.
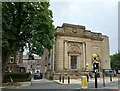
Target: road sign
(108,70)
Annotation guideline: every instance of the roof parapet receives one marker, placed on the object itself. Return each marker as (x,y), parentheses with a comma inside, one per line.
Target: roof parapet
(73,26)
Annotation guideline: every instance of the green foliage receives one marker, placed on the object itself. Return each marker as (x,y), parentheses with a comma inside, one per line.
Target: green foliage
(30,23)
(17,77)
(26,25)
(115,61)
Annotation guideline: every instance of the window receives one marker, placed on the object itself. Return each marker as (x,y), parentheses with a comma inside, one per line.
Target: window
(12,60)
(73,62)
(31,66)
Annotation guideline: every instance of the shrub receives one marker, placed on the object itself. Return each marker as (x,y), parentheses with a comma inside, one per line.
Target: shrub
(17,77)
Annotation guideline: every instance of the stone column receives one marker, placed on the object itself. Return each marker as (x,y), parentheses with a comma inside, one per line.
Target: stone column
(84,59)
(89,54)
(65,56)
(79,66)
(59,55)
(69,62)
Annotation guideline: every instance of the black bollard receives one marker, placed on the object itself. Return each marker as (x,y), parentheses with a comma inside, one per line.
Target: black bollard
(62,79)
(68,79)
(110,78)
(87,78)
(95,79)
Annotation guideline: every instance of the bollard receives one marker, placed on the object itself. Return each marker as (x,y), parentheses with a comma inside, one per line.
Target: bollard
(83,82)
(68,80)
(110,78)
(95,79)
(62,79)
(87,78)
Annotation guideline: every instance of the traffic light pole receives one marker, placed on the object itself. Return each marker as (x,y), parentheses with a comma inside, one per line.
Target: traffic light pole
(96,68)
(95,78)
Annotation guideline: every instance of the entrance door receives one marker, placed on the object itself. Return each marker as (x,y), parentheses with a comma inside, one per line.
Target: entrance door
(73,62)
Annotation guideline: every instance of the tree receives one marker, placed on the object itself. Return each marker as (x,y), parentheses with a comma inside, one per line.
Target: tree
(26,25)
(115,61)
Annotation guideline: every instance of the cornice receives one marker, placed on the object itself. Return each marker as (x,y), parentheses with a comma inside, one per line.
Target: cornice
(77,31)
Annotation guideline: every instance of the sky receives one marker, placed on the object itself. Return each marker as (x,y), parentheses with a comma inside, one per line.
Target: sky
(96,15)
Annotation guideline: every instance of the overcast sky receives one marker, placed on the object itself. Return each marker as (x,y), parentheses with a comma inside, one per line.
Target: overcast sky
(97,15)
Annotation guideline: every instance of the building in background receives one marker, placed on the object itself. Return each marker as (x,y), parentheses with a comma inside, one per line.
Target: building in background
(14,60)
(21,63)
(47,63)
(73,49)
(32,66)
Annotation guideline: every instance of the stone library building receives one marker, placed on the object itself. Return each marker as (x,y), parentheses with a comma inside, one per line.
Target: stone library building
(73,50)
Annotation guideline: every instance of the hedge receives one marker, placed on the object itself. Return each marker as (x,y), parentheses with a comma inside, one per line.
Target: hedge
(17,77)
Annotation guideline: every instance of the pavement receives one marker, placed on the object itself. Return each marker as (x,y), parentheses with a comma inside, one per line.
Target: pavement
(24,84)
(27,84)
(92,80)
(19,84)
(74,84)
(78,81)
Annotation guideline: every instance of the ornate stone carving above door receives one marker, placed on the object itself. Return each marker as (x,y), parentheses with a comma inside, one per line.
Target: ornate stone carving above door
(74,47)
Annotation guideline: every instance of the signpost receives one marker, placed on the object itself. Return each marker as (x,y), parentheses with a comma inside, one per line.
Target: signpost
(108,72)
(103,80)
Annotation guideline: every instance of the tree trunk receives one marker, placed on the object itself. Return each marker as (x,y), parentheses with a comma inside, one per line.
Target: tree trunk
(5,59)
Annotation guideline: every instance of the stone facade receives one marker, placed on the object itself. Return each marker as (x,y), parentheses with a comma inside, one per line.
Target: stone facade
(32,66)
(14,60)
(74,47)
(47,65)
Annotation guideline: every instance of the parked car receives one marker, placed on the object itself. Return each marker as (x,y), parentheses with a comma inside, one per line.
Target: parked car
(38,76)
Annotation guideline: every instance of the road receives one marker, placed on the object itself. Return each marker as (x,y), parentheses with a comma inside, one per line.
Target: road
(47,85)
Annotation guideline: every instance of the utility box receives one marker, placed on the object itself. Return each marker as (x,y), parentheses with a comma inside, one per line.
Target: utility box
(83,82)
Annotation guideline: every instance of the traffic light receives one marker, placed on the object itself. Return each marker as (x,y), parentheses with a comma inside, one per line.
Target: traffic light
(95,66)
